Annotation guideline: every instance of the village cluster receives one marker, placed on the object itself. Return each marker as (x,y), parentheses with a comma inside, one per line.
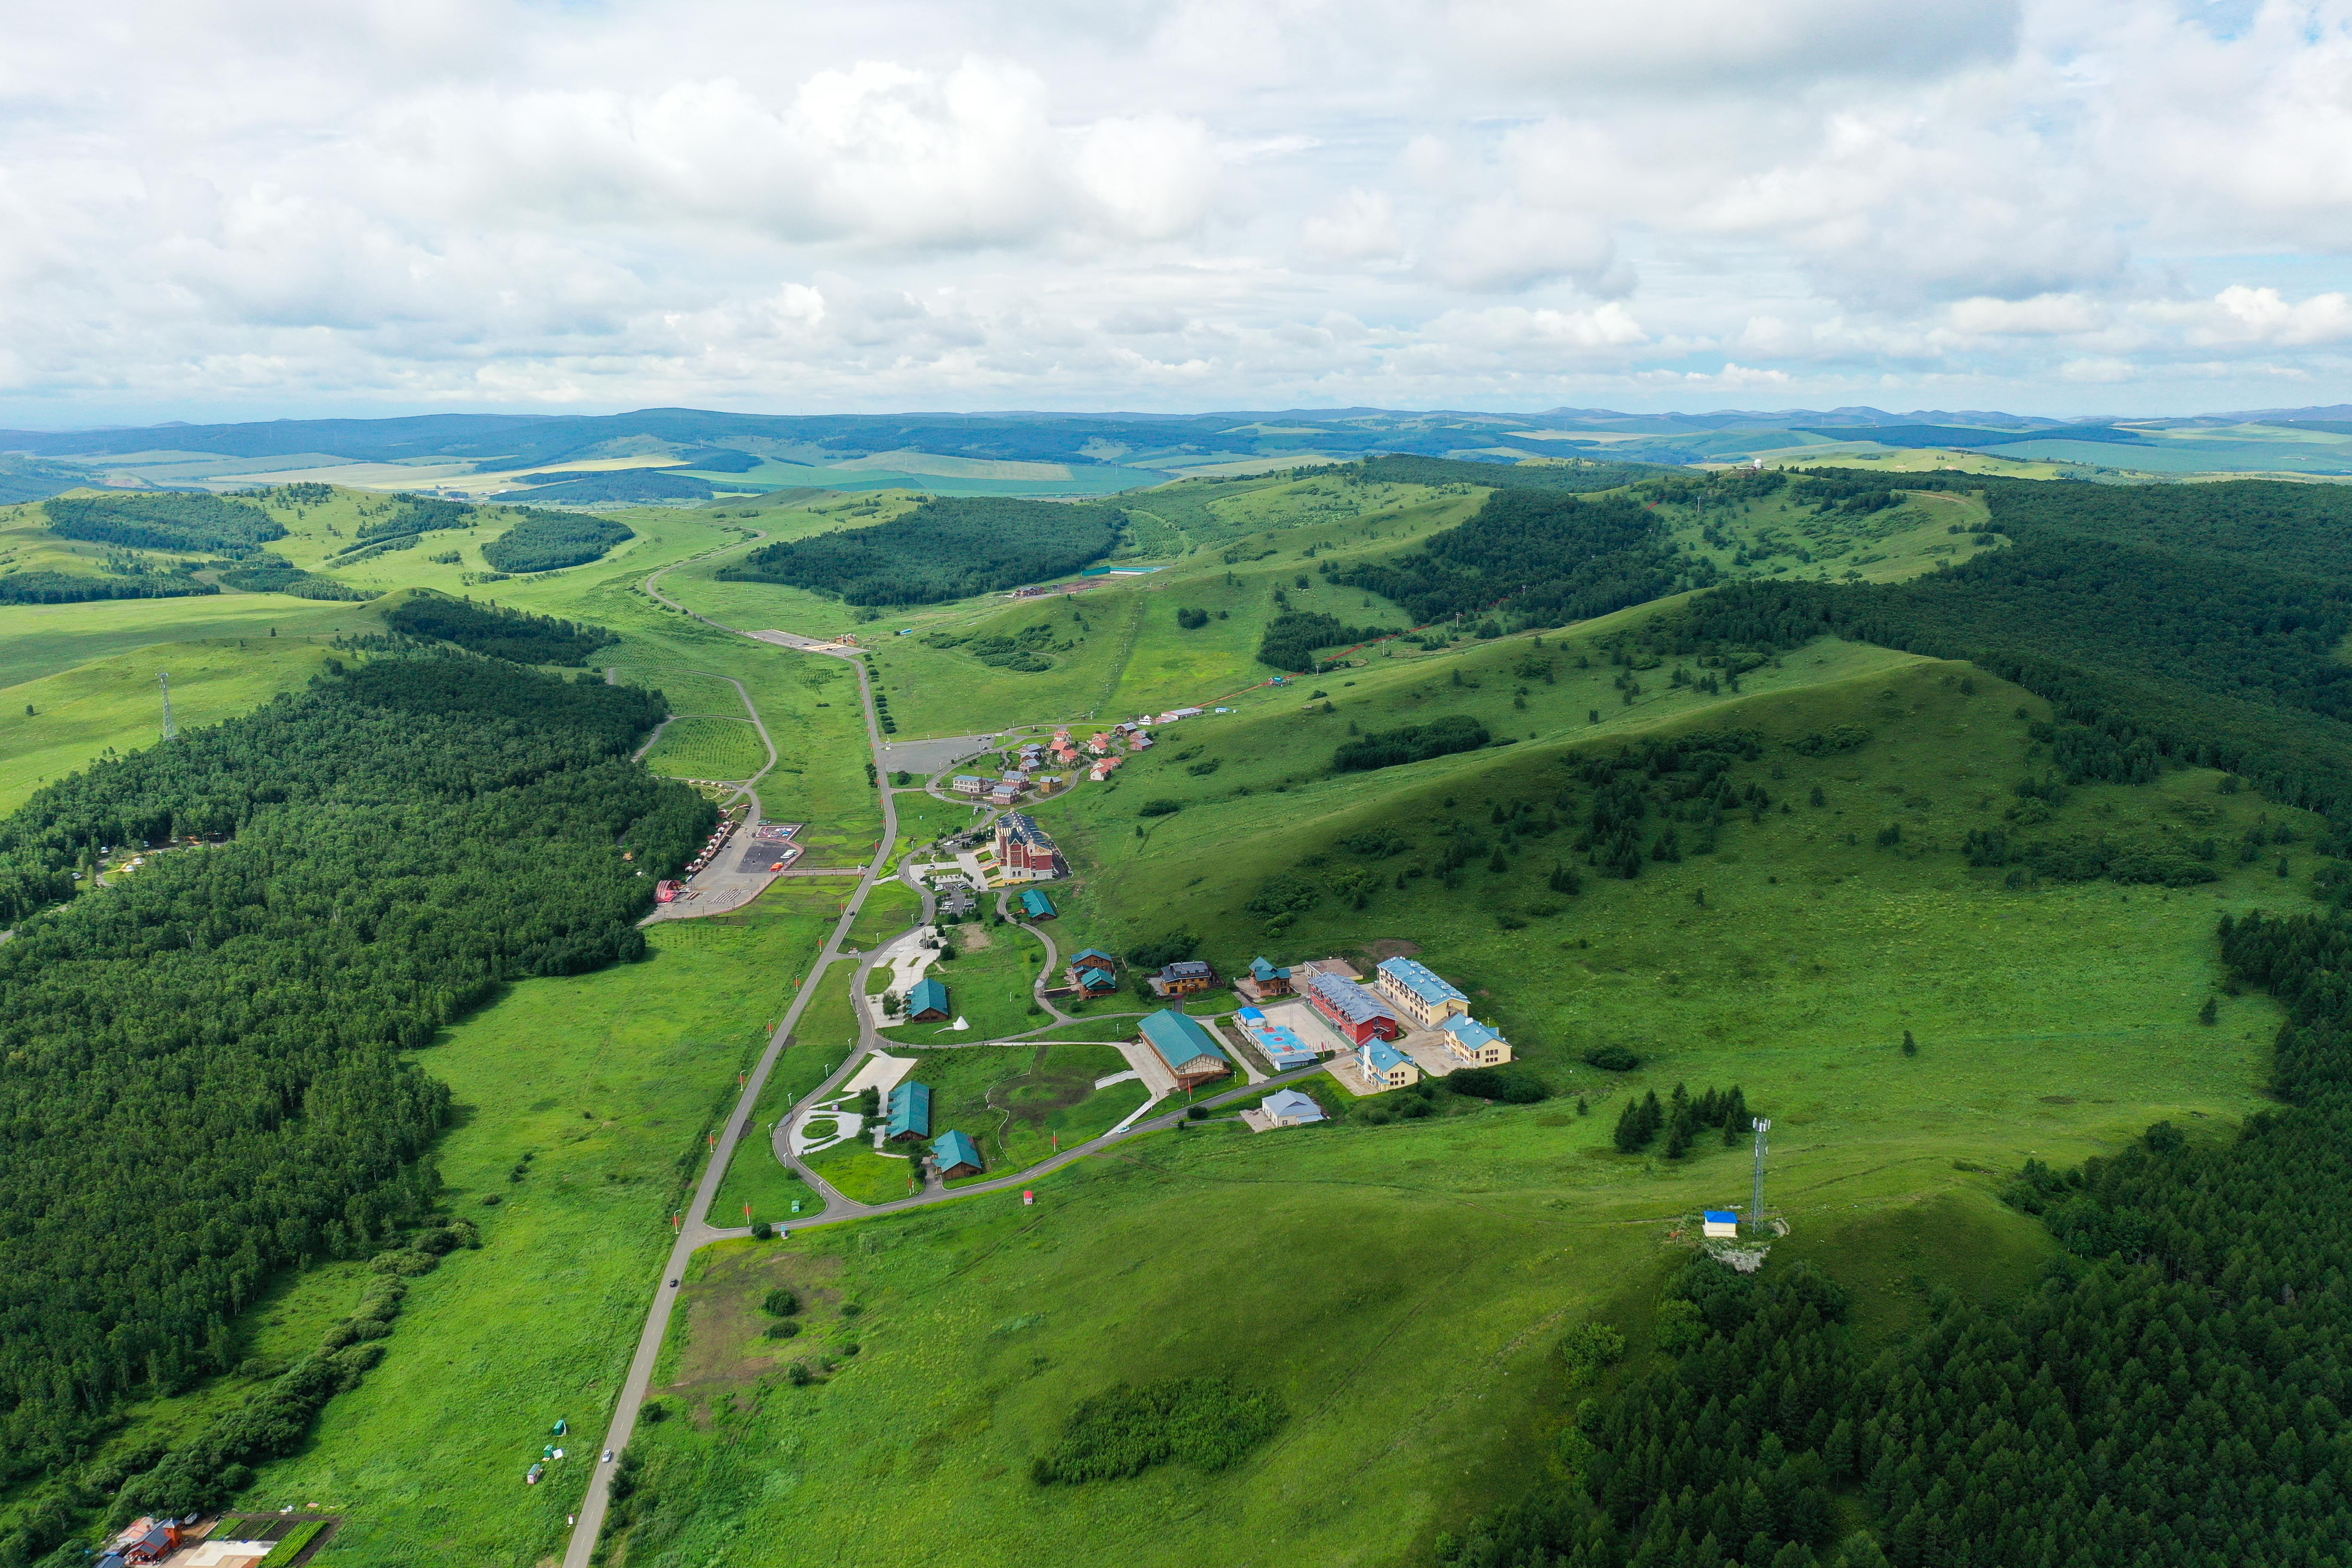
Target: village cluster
(1407,1023)
(1107,749)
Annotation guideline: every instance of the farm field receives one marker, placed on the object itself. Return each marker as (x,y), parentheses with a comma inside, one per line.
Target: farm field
(701,746)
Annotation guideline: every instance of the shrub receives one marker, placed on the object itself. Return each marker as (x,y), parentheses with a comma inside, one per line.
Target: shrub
(1414,743)
(1612,1059)
(785,1329)
(1511,1083)
(1161,808)
(1124,1431)
(782,1302)
(1176,946)
(1591,1347)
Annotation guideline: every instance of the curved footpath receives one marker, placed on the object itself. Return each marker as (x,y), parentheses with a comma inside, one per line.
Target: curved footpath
(695,1230)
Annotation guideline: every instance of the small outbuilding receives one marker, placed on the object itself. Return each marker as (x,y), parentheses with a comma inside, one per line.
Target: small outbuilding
(1191,1053)
(956,1155)
(927,1000)
(1036,906)
(1290,1108)
(1721,1222)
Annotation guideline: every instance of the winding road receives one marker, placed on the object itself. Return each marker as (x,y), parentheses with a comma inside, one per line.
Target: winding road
(695,1231)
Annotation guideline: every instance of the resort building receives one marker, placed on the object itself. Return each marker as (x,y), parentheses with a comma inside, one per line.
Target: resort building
(970,784)
(1184,977)
(1357,1014)
(1417,993)
(1025,851)
(1262,981)
(927,1000)
(1036,906)
(1193,1055)
(910,1113)
(1385,1066)
(1093,972)
(1474,1044)
(955,1155)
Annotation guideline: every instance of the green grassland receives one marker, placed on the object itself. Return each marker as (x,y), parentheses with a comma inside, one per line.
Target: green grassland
(1774,537)
(1401,1288)
(1013,1100)
(608,1082)
(699,746)
(855,1171)
(1400,1284)
(53,725)
(37,640)
(891,908)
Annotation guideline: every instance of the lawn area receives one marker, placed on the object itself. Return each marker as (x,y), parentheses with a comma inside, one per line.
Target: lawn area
(43,639)
(925,820)
(891,908)
(861,1175)
(1401,1288)
(1013,1100)
(991,988)
(607,1081)
(757,1178)
(700,747)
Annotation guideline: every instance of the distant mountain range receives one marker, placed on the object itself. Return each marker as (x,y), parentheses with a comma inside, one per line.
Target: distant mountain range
(704,454)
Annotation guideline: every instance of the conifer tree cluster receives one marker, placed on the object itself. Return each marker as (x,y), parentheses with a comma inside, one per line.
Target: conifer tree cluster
(1682,1119)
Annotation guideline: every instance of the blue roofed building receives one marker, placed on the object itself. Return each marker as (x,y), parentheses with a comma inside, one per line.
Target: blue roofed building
(1474,1044)
(1721,1222)
(1385,1067)
(910,1113)
(955,1155)
(1191,1053)
(1357,1013)
(928,999)
(1418,993)
(1288,1108)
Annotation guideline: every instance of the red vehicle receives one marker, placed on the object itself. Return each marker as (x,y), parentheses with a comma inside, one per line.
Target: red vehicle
(667,892)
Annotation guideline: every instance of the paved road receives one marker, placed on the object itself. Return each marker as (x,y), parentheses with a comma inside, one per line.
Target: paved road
(695,1231)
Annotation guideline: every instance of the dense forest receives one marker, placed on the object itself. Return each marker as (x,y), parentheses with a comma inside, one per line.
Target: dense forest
(947,547)
(270,573)
(496,633)
(2175,1391)
(81,588)
(545,540)
(1545,556)
(1404,468)
(171,520)
(1294,637)
(206,1075)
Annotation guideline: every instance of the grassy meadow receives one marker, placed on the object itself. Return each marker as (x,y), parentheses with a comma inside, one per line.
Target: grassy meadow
(990,986)
(701,746)
(1014,1102)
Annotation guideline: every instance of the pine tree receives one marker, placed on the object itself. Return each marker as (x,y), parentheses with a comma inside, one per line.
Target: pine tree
(1627,1136)
(2211,1013)
(1910,1045)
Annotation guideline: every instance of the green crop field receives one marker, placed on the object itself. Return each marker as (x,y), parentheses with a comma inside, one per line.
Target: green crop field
(696,746)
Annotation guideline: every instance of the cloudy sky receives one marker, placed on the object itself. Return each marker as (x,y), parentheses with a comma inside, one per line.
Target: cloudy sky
(256,208)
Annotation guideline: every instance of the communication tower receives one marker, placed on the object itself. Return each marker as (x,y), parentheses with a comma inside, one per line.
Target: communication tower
(170,730)
(1756,1204)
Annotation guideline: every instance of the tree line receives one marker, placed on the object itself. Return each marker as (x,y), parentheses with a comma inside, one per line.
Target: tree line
(495,632)
(205,1077)
(949,547)
(545,541)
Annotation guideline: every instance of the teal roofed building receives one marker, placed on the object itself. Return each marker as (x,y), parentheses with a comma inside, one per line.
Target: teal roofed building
(910,1113)
(1037,906)
(1191,1053)
(1266,978)
(956,1155)
(927,1000)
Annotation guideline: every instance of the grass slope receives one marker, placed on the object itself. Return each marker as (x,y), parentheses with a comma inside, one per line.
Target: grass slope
(608,1081)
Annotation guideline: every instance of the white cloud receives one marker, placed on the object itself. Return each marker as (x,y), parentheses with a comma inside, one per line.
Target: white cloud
(255,205)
